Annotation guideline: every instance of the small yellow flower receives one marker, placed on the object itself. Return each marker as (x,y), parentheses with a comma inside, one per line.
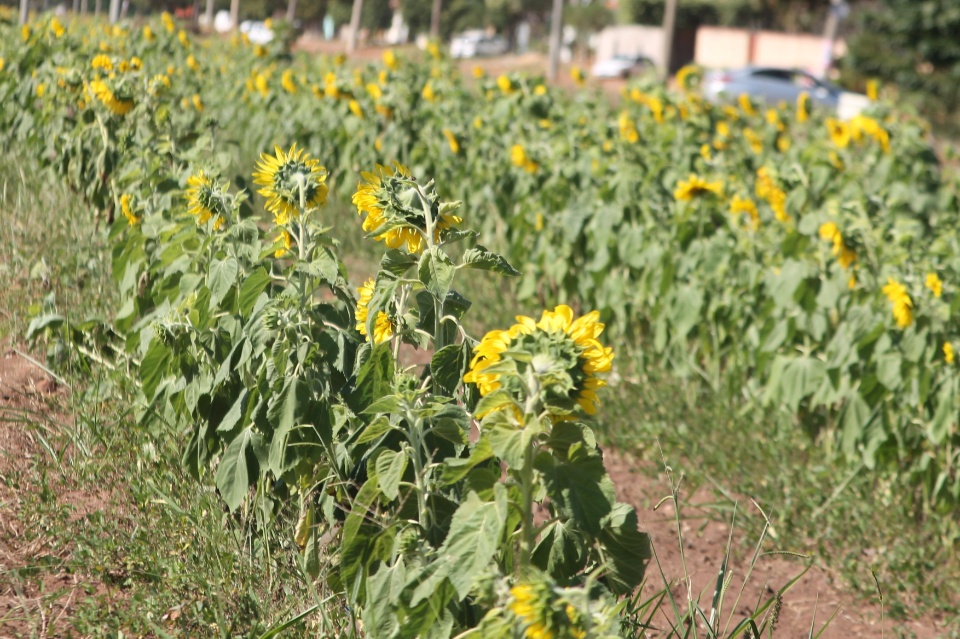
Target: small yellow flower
(902,304)
(740,204)
(935,284)
(102,62)
(126,208)
(428,93)
(478,72)
(184,39)
(948,353)
(628,128)
(746,104)
(519,158)
(356,109)
(452,141)
(192,63)
(505,84)
(287,243)
(839,133)
(577,75)
(57,28)
(287,82)
(197,102)
(382,327)
(696,186)
(540,89)
(803,107)
(873,89)
(390,60)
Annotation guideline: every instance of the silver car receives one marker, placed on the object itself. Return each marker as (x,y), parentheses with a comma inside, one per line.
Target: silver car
(770,85)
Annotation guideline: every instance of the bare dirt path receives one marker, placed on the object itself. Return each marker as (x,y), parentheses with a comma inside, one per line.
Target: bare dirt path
(39,593)
(705,539)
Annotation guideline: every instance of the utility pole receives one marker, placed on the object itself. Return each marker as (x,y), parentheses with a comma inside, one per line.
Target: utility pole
(354,25)
(838,11)
(669,26)
(556,32)
(24,11)
(208,15)
(435,19)
(235,14)
(114,11)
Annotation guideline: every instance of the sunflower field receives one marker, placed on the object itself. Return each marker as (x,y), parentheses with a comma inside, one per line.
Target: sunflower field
(783,257)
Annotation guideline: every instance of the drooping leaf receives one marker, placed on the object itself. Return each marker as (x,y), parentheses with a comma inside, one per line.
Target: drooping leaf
(481,258)
(470,545)
(390,465)
(221,276)
(234,472)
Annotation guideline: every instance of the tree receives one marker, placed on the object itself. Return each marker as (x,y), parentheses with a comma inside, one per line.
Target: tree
(456,16)
(914,45)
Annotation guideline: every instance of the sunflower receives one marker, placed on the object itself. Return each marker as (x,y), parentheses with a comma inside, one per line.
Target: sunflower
(205,200)
(564,354)
(390,199)
(577,75)
(696,186)
(934,283)
(740,204)
(839,133)
(452,141)
(902,304)
(543,614)
(382,327)
(126,207)
(948,353)
(292,181)
(803,107)
(117,105)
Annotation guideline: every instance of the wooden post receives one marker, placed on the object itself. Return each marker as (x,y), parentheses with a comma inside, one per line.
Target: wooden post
(235,14)
(24,11)
(669,25)
(556,33)
(114,11)
(354,25)
(208,15)
(435,19)
(291,10)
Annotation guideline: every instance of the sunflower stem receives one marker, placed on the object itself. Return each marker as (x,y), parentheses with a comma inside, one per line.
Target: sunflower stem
(526,497)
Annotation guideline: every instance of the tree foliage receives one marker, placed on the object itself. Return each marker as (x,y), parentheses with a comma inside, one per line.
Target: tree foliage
(914,45)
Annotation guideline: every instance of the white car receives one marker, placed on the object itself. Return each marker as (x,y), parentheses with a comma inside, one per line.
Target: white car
(622,66)
(474,44)
(257,31)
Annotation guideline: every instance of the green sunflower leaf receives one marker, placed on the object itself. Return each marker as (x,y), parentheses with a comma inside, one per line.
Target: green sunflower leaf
(482,259)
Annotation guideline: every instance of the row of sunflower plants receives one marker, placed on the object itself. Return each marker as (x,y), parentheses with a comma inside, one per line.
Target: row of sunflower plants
(747,245)
(803,262)
(293,390)
(296,391)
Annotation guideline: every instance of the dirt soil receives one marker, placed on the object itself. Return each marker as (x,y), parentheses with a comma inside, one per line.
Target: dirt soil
(38,592)
(705,539)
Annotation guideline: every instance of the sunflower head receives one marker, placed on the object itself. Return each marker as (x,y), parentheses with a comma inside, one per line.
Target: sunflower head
(207,199)
(396,209)
(292,183)
(543,612)
(549,365)
(695,187)
(383,326)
